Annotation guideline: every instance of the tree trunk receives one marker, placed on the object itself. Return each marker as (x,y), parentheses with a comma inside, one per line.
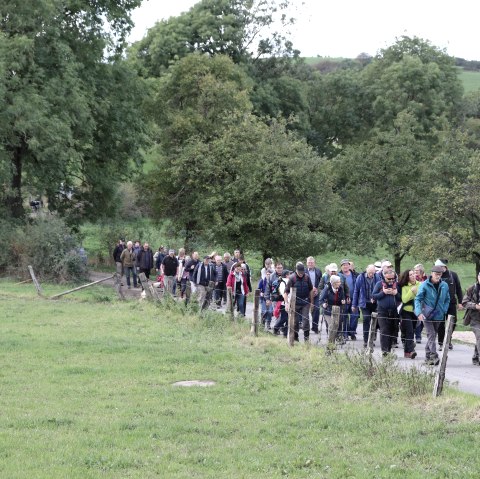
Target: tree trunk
(398,260)
(14,200)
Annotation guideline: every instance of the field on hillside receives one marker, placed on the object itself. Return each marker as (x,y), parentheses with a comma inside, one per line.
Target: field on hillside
(470,80)
(86,391)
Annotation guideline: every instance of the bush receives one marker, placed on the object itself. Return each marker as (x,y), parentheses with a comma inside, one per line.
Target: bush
(48,245)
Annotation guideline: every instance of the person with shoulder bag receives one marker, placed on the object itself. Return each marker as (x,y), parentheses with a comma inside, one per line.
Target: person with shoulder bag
(471,303)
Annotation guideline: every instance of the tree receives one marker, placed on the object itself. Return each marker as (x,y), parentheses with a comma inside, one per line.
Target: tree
(411,75)
(70,111)
(383,184)
(451,219)
(239,29)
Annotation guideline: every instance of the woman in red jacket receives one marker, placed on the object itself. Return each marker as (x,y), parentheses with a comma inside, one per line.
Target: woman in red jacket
(238,282)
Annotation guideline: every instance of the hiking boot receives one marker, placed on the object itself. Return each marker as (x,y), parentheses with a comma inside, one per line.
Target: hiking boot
(440,346)
(450,346)
(475,361)
(411,355)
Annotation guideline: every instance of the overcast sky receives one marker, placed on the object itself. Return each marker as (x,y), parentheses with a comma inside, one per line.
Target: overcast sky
(345,28)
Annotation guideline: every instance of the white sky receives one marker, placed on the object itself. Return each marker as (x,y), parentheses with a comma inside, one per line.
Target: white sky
(345,28)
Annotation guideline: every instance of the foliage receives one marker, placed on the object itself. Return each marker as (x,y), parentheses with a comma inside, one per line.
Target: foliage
(239,29)
(48,245)
(71,119)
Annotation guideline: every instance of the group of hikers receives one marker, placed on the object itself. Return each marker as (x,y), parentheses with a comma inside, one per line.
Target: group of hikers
(405,304)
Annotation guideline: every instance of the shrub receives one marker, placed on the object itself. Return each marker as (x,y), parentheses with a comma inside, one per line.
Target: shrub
(48,245)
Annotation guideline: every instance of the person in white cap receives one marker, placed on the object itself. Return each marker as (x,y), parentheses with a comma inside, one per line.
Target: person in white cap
(431,304)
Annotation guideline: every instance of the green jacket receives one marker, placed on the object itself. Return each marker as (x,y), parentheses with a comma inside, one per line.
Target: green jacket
(128,258)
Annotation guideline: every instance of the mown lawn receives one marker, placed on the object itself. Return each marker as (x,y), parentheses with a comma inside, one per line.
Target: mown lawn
(86,391)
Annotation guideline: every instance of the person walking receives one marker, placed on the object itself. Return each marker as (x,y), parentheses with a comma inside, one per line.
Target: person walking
(303,300)
(145,260)
(387,295)
(431,304)
(333,295)
(456,296)
(363,299)
(170,271)
(315,277)
(128,259)
(409,285)
(238,282)
(471,304)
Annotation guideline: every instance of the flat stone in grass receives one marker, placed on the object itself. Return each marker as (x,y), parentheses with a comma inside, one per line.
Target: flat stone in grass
(189,384)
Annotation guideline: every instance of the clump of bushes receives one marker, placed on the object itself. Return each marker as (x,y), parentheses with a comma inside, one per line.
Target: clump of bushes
(45,243)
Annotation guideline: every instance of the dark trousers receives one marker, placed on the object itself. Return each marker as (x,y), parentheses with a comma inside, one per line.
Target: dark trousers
(281,324)
(452,310)
(220,291)
(367,317)
(408,325)
(315,313)
(388,321)
(302,309)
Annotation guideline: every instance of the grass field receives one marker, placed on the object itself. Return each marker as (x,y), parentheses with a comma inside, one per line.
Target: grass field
(86,392)
(470,80)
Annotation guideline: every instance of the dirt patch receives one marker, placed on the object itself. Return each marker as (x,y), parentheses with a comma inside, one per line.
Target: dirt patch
(194,383)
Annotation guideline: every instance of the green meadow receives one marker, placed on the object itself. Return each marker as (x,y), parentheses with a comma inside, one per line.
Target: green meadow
(87,391)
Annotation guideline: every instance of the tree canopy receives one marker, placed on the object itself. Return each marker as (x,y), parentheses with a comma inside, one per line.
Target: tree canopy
(71,106)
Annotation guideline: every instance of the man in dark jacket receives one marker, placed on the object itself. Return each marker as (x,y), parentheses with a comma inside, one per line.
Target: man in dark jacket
(387,295)
(203,274)
(303,299)
(315,277)
(363,298)
(456,297)
(170,270)
(116,257)
(221,280)
(145,260)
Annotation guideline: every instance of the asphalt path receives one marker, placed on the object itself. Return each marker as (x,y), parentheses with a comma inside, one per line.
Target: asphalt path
(460,371)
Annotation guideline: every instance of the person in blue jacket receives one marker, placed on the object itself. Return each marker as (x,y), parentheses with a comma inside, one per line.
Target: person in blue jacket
(387,294)
(431,305)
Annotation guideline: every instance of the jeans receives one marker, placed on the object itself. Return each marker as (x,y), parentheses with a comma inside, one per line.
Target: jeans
(133,270)
(348,321)
(241,303)
(266,312)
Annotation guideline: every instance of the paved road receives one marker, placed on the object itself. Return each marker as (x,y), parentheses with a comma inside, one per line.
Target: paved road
(460,370)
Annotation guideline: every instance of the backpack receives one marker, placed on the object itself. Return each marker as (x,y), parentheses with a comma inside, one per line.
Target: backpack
(277,289)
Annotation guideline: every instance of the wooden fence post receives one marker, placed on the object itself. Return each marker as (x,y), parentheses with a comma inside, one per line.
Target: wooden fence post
(35,281)
(118,286)
(291,317)
(188,292)
(372,332)
(440,375)
(256,306)
(230,308)
(333,326)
